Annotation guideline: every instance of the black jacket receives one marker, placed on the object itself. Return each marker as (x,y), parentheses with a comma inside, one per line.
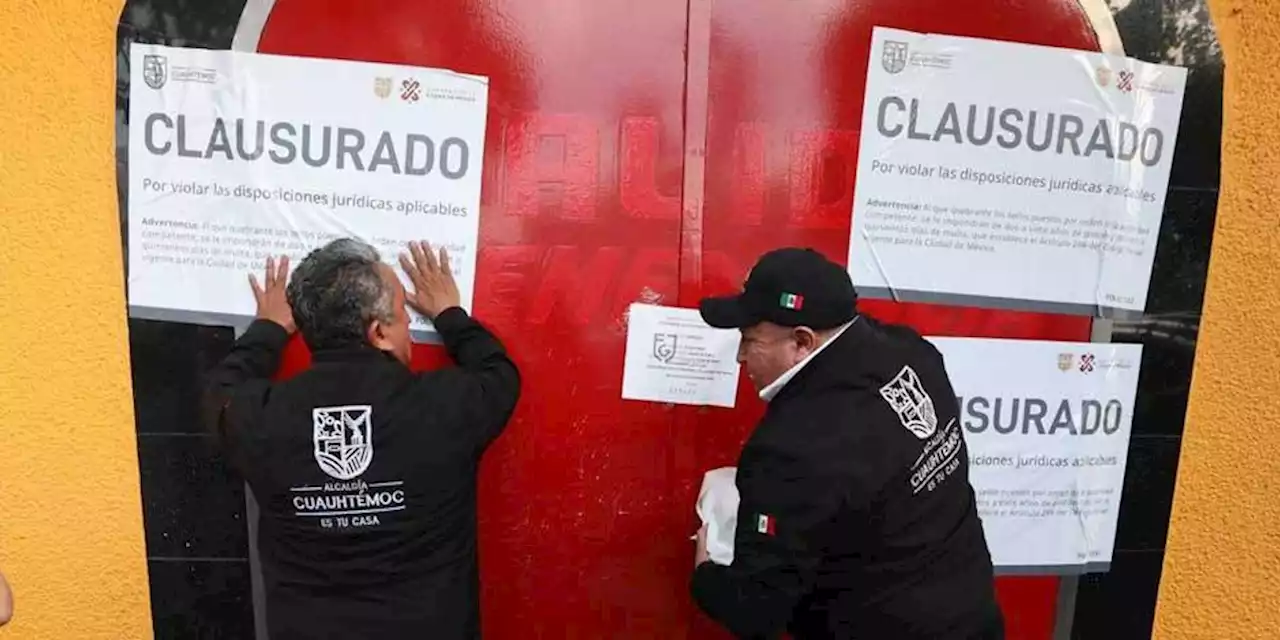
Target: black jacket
(366,477)
(856,518)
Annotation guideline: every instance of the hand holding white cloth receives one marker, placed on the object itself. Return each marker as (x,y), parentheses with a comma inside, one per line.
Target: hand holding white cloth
(718,509)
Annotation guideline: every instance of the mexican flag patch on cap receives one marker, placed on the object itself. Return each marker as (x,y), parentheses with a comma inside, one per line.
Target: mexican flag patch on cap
(791,301)
(766,524)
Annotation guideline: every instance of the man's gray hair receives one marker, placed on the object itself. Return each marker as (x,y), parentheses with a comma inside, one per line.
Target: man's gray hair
(336,291)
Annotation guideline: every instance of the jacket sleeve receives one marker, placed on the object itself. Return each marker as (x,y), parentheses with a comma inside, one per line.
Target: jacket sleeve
(487,382)
(236,389)
(784,501)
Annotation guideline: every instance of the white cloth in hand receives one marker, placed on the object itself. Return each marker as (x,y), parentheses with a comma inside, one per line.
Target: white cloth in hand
(718,509)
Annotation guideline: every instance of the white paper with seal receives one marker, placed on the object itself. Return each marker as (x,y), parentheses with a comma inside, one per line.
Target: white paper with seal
(718,509)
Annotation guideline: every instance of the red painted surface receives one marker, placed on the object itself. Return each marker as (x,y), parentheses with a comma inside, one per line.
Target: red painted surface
(595,134)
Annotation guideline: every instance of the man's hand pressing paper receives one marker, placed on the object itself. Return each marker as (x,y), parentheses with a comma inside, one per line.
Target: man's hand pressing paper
(434,289)
(273,304)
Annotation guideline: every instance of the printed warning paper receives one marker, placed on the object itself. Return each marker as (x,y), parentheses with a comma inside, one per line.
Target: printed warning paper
(1010,175)
(673,356)
(1047,426)
(237,156)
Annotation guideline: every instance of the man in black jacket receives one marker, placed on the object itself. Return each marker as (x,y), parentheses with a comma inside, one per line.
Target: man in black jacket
(856,518)
(364,470)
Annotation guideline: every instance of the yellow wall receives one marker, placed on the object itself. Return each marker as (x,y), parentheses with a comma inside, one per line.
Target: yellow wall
(1222,568)
(71,538)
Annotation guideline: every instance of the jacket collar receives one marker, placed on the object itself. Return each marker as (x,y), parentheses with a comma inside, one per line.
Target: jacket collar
(361,353)
(770,392)
(848,361)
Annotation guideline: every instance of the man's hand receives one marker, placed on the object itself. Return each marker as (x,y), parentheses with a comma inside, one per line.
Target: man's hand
(701,555)
(272,303)
(433,284)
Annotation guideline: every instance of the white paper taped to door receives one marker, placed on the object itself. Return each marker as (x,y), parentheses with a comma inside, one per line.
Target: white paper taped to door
(718,509)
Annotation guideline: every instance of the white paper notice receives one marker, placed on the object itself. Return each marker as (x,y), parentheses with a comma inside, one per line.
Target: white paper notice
(718,509)
(673,356)
(1047,426)
(1010,175)
(236,156)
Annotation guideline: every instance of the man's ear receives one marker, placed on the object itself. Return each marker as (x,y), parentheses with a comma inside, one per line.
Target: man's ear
(376,335)
(806,338)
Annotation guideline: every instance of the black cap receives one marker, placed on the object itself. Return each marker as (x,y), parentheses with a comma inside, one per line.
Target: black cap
(791,287)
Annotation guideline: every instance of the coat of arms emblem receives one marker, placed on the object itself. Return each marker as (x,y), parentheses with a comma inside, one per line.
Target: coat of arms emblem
(1064,361)
(664,347)
(894,56)
(382,87)
(906,395)
(155,70)
(343,440)
(1102,75)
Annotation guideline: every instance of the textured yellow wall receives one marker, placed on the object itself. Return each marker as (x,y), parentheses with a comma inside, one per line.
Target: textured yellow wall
(1222,568)
(71,539)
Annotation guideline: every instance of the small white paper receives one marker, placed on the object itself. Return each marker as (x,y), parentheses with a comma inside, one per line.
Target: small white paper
(673,356)
(718,509)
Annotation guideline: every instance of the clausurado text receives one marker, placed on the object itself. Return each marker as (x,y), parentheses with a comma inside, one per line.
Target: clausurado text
(1030,416)
(284,143)
(1040,132)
